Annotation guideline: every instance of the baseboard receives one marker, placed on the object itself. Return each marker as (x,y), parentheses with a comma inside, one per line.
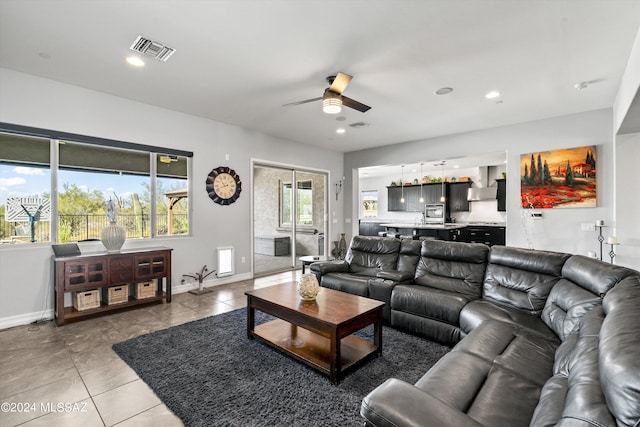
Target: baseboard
(25,319)
(181,288)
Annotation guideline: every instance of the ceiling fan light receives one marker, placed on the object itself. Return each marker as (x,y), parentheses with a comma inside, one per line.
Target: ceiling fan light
(331,105)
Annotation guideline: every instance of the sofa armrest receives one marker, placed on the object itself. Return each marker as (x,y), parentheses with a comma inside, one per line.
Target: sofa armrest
(320,268)
(396,276)
(397,403)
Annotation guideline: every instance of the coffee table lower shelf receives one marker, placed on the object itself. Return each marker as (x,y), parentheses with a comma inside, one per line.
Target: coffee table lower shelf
(313,349)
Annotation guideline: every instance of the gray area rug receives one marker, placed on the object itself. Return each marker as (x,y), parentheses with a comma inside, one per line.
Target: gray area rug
(209,374)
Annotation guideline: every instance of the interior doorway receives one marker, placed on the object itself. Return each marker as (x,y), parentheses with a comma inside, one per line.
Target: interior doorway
(289,216)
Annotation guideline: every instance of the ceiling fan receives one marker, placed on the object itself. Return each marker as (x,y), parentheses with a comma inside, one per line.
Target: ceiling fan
(333,99)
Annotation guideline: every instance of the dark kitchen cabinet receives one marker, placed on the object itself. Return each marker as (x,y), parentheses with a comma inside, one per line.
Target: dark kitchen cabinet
(393,199)
(411,194)
(458,196)
(430,192)
(368,228)
(502,195)
(489,235)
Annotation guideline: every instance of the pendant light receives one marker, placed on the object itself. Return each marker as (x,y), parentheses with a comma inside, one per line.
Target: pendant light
(402,186)
(421,197)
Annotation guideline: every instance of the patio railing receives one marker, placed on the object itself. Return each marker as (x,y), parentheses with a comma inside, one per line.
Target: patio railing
(75,228)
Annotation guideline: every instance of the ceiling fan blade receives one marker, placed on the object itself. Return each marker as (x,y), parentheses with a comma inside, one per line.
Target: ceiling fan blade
(352,103)
(340,83)
(291,104)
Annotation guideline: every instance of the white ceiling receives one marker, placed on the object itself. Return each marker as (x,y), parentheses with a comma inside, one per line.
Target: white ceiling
(239,61)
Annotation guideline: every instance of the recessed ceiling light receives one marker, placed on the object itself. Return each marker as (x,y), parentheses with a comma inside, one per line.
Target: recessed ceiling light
(44,55)
(456,166)
(135,61)
(341,118)
(492,95)
(444,91)
(581,85)
(340,131)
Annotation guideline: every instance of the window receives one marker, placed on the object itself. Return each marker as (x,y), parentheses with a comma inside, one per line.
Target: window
(304,211)
(149,186)
(370,204)
(172,203)
(88,175)
(25,177)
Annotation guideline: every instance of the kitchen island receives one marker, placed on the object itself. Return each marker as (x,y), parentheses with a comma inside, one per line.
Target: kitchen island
(489,233)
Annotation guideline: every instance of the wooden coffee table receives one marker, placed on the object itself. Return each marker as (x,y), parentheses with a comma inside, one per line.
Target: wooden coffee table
(317,333)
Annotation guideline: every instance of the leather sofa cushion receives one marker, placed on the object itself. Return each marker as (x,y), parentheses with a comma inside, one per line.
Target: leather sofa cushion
(433,303)
(593,275)
(584,283)
(522,278)
(494,375)
(476,312)
(347,282)
(453,266)
(574,394)
(620,351)
(432,329)
(409,255)
(367,255)
(566,304)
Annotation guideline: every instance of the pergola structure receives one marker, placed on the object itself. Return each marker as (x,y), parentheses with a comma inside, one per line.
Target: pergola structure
(173,197)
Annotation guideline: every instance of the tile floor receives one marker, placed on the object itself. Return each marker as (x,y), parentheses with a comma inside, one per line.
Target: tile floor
(69,375)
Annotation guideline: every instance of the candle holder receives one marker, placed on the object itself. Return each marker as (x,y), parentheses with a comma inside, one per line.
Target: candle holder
(612,252)
(600,237)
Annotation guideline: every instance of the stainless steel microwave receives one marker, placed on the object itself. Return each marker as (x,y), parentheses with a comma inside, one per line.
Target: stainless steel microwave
(434,213)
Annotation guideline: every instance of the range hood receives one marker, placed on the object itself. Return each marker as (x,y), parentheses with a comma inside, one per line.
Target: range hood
(484,193)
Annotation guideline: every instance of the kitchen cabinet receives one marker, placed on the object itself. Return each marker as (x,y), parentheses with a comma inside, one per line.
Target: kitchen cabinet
(455,194)
(370,228)
(502,194)
(458,196)
(411,194)
(393,199)
(487,234)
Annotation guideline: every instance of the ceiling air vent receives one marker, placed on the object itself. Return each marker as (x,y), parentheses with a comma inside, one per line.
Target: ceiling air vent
(358,125)
(152,48)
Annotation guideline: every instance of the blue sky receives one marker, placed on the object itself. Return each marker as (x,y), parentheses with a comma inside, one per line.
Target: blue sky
(20,181)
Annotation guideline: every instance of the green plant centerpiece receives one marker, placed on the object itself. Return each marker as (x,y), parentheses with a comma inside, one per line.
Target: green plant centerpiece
(200,276)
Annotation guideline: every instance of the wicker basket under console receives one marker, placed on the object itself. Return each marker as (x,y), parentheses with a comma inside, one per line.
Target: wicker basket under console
(116,294)
(86,300)
(144,290)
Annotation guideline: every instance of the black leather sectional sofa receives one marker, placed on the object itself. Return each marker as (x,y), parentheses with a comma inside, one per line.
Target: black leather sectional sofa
(539,338)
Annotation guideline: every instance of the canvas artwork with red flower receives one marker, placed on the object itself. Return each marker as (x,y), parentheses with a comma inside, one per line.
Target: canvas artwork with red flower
(564,178)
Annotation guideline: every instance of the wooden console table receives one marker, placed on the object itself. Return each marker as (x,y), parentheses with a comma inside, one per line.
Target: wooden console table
(104,269)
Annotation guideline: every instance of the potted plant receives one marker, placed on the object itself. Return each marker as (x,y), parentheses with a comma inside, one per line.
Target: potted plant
(200,276)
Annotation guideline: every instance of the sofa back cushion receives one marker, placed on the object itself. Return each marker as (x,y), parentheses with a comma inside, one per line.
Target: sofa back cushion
(584,283)
(522,278)
(574,395)
(452,266)
(409,255)
(367,255)
(620,350)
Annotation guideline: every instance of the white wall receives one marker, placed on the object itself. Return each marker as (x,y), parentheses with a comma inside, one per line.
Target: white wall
(560,229)
(25,272)
(627,225)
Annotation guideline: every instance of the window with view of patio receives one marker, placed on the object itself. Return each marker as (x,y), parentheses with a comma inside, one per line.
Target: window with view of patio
(149,188)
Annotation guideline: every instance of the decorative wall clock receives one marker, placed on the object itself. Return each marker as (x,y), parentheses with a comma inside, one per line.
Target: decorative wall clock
(224,185)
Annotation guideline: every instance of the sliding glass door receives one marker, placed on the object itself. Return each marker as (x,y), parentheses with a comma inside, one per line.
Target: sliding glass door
(289,211)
